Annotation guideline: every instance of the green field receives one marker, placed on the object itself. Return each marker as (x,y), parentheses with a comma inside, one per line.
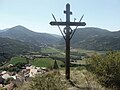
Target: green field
(16,60)
(49,50)
(45,62)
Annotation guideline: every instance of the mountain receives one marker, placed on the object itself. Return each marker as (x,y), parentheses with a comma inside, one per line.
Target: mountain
(16,47)
(96,39)
(23,34)
(1,31)
(10,47)
(4,30)
(57,36)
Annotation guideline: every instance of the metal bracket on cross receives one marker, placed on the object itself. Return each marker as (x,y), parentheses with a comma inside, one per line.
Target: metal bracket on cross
(76,27)
(59,27)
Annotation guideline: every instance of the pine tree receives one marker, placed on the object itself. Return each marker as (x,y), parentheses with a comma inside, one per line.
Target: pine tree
(55,65)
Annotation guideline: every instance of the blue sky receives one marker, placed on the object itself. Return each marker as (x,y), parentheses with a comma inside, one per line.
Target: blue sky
(36,14)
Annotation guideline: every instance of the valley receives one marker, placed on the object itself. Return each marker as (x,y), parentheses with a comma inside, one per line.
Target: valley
(24,54)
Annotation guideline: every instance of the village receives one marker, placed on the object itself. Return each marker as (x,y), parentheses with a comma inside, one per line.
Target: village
(10,80)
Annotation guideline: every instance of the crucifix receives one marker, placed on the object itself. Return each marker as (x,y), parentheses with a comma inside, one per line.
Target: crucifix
(67,34)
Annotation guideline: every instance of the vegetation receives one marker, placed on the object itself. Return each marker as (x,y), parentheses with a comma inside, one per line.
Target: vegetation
(55,65)
(47,81)
(17,64)
(95,39)
(1,88)
(49,50)
(16,60)
(54,80)
(4,57)
(16,68)
(107,69)
(16,47)
(45,62)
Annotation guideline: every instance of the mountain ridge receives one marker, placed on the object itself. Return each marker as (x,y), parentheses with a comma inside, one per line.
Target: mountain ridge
(96,39)
(90,38)
(23,34)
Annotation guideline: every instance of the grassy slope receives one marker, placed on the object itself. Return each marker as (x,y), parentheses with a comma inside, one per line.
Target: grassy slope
(45,62)
(49,50)
(88,52)
(54,52)
(39,62)
(17,59)
(80,80)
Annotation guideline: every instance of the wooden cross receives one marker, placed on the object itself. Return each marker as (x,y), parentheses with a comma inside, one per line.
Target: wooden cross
(68,35)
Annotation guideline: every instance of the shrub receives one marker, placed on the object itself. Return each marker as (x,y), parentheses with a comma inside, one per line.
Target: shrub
(49,81)
(1,88)
(107,69)
(46,81)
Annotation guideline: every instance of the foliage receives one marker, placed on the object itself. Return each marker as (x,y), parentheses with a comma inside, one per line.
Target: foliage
(16,68)
(17,62)
(55,65)
(16,47)
(1,88)
(4,57)
(107,69)
(47,81)
(50,81)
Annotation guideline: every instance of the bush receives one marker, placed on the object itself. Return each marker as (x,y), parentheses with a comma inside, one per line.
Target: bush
(49,81)
(107,69)
(46,81)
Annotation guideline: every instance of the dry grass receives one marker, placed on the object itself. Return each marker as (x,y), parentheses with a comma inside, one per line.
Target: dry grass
(80,80)
(83,80)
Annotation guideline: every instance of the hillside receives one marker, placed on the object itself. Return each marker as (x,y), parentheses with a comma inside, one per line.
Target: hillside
(10,47)
(96,39)
(15,47)
(23,34)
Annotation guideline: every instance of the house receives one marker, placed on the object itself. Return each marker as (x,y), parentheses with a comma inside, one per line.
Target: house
(6,76)
(3,72)
(33,72)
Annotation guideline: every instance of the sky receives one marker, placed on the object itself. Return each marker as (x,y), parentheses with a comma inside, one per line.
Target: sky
(36,14)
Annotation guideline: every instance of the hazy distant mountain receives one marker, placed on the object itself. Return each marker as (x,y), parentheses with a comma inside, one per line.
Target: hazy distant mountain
(57,36)
(15,47)
(1,31)
(96,39)
(23,34)
(4,30)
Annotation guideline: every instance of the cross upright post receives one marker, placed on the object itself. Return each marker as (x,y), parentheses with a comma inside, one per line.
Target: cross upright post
(67,63)
(67,31)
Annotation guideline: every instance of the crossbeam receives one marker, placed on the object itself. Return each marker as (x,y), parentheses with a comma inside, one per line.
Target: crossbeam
(68,23)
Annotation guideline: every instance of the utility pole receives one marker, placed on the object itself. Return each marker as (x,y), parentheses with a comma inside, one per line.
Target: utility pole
(67,35)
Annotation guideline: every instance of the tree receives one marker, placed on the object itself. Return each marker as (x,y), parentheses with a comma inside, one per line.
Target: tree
(55,65)
(107,69)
